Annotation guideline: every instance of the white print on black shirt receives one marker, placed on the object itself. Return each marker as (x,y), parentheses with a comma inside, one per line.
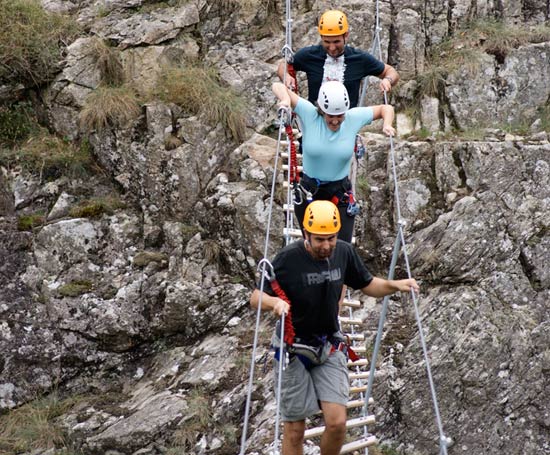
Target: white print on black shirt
(334,68)
(328,275)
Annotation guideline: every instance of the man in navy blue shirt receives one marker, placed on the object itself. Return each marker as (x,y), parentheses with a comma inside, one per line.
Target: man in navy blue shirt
(333,60)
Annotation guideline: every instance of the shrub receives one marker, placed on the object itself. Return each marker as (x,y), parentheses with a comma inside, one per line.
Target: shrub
(31,41)
(17,122)
(50,157)
(109,107)
(199,90)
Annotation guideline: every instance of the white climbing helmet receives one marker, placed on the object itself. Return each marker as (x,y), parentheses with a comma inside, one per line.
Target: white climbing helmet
(333,98)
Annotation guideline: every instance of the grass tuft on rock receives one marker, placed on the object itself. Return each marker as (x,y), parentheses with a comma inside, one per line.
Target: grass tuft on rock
(32,41)
(199,90)
(109,107)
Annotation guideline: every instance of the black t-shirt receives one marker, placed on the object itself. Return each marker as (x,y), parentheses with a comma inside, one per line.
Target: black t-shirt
(314,287)
(356,65)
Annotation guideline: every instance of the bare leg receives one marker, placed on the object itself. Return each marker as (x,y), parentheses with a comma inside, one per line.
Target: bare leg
(293,438)
(335,428)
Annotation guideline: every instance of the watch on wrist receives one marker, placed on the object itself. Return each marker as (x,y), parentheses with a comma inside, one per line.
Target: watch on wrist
(389,79)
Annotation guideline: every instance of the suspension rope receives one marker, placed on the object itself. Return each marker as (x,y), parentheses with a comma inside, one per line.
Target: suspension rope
(263,264)
(399,244)
(284,119)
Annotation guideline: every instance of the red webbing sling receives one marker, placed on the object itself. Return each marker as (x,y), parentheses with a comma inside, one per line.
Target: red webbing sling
(289,328)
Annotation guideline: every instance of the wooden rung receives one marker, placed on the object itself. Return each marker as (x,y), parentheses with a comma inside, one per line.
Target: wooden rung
(356,336)
(286,154)
(350,321)
(352,303)
(358,363)
(359,349)
(298,168)
(296,233)
(352,423)
(360,375)
(357,445)
(288,207)
(355,404)
(285,142)
(358,389)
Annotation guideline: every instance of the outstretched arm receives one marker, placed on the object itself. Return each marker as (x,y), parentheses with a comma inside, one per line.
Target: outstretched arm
(387,113)
(275,304)
(379,287)
(389,77)
(286,97)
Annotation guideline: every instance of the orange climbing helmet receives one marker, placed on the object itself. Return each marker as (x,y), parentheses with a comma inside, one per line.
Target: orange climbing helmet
(322,217)
(333,23)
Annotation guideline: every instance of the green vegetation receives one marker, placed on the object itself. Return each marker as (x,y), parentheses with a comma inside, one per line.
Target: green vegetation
(33,426)
(199,90)
(97,207)
(50,157)
(362,187)
(75,288)
(17,122)
(109,107)
(32,41)
(29,222)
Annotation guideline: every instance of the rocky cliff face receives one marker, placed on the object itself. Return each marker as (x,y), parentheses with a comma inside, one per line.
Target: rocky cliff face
(139,314)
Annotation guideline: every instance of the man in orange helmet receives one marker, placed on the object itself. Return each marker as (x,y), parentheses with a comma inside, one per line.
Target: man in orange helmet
(334,60)
(312,273)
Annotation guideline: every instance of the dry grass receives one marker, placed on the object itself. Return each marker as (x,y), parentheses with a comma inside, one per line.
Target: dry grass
(32,426)
(32,41)
(109,107)
(50,157)
(201,421)
(199,90)
(108,63)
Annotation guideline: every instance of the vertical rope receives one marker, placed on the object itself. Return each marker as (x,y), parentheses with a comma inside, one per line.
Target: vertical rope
(263,264)
(444,441)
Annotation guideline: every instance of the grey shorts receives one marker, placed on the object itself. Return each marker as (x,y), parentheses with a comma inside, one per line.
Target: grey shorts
(301,390)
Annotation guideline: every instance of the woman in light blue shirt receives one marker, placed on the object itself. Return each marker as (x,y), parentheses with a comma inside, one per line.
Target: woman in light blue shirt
(328,143)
